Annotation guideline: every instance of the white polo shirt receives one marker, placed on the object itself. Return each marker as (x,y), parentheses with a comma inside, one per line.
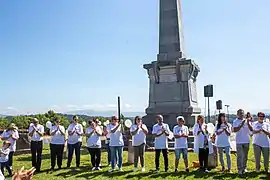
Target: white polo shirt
(6,134)
(182,141)
(94,141)
(36,136)
(75,138)
(161,142)
(140,137)
(261,139)
(243,135)
(57,138)
(116,138)
(223,140)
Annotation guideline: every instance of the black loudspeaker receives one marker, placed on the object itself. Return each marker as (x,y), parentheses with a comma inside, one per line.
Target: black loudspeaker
(219,105)
(208,90)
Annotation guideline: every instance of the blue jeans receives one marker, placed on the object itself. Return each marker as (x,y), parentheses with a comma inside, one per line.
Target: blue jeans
(228,156)
(116,154)
(109,153)
(180,151)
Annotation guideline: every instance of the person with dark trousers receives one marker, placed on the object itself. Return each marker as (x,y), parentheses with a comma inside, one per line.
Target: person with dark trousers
(75,132)
(201,145)
(107,142)
(36,132)
(11,134)
(4,157)
(161,132)
(93,134)
(57,144)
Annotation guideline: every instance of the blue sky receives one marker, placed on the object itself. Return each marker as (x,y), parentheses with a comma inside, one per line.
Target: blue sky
(70,55)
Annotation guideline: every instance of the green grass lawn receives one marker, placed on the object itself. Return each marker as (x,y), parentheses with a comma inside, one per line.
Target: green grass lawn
(85,173)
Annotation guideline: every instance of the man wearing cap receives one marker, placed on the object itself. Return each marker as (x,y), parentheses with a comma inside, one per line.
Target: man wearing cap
(261,142)
(181,132)
(241,128)
(11,134)
(36,132)
(161,131)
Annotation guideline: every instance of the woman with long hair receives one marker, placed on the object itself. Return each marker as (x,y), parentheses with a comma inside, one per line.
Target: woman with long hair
(203,145)
(223,132)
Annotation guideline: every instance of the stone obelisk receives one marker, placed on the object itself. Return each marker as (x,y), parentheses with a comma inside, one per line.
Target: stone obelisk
(172,77)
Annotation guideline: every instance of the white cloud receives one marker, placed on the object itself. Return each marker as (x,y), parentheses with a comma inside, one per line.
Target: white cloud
(128,106)
(10,108)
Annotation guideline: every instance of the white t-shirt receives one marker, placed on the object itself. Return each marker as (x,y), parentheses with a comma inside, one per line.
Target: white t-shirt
(57,138)
(116,138)
(4,157)
(261,139)
(201,137)
(1,176)
(94,141)
(6,134)
(75,138)
(140,137)
(223,140)
(182,141)
(161,142)
(36,136)
(108,136)
(243,135)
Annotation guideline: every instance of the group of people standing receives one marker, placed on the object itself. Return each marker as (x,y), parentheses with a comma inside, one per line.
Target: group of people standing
(204,142)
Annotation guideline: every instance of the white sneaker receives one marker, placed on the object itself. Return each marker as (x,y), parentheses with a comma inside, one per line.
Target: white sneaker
(111,170)
(98,168)
(135,169)
(93,168)
(120,170)
(143,169)
(245,171)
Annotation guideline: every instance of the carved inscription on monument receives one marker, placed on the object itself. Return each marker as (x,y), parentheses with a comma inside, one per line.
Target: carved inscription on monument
(193,91)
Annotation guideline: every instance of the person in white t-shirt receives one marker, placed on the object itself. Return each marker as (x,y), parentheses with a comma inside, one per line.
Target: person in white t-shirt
(116,143)
(11,134)
(4,157)
(107,142)
(242,129)
(223,132)
(138,132)
(57,144)
(201,145)
(93,134)
(261,142)
(36,132)
(75,132)
(161,131)
(180,132)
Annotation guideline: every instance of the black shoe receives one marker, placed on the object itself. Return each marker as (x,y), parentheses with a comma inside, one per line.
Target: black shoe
(187,169)
(59,167)
(176,170)
(77,166)
(166,170)
(52,169)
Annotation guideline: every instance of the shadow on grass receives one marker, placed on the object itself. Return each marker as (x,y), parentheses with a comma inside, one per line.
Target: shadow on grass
(46,156)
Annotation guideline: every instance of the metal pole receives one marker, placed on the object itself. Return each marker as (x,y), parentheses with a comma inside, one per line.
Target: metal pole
(118,108)
(228,115)
(208,109)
